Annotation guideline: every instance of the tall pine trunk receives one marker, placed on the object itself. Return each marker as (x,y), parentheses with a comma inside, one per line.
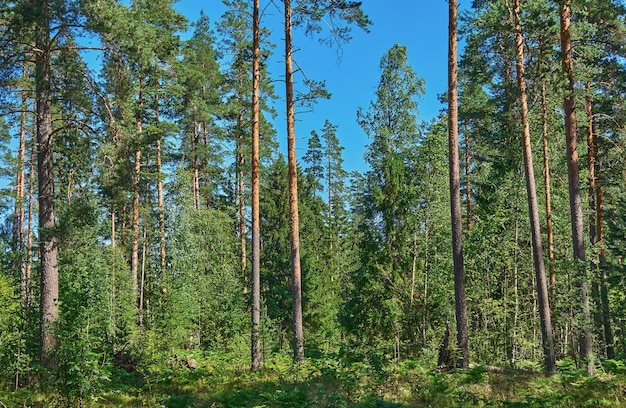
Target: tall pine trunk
(576,213)
(455,191)
(533,207)
(48,259)
(294,221)
(255,279)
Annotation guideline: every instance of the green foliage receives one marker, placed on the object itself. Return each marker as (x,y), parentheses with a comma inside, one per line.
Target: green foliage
(200,302)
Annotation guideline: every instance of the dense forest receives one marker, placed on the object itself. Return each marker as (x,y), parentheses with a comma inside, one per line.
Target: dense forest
(158,249)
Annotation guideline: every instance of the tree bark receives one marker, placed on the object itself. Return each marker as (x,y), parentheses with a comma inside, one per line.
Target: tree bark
(162,252)
(576,213)
(18,217)
(195,177)
(29,227)
(455,191)
(134,256)
(49,268)
(548,194)
(241,200)
(533,208)
(294,221)
(255,280)
(468,186)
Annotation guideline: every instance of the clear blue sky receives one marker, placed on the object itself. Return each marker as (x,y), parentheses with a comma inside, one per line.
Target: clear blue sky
(420,25)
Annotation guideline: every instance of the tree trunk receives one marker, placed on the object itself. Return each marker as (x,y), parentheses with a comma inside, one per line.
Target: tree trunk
(48,260)
(256,220)
(29,227)
(468,186)
(533,208)
(455,191)
(195,181)
(18,217)
(162,252)
(576,213)
(548,194)
(142,279)
(241,200)
(294,222)
(134,255)
(207,176)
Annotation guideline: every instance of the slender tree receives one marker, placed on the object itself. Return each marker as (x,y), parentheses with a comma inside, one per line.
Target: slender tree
(576,213)
(294,217)
(256,224)
(533,208)
(455,191)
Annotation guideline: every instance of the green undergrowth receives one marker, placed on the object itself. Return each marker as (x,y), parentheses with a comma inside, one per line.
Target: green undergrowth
(220,381)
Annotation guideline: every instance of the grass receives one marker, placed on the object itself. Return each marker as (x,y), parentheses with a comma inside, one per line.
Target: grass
(324,382)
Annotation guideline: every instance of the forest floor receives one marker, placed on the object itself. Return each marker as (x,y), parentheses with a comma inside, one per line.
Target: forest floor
(324,382)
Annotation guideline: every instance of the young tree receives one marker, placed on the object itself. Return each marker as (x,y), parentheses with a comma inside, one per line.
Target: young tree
(389,204)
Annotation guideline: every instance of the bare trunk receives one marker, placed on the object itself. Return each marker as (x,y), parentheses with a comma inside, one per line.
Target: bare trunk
(112,226)
(241,201)
(548,194)
(533,210)
(160,197)
(143,276)
(134,255)
(468,186)
(256,223)
(195,181)
(18,221)
(576,213)
(207,176)
(49,268)
(294,222)
(29,227)
(455,191)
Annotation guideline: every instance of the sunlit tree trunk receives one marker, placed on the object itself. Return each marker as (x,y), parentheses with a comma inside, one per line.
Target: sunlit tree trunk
(29,227)
(576,213)
(455,191)
(134,256)
(18,216)
(533,208)
(548,194)
(159,163)
(294,222)
(48,259)
(255,280)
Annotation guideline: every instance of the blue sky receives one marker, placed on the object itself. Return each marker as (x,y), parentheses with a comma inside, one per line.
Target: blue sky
(420,25)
